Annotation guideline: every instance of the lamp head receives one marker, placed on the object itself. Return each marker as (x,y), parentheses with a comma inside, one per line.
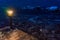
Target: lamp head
(10,12)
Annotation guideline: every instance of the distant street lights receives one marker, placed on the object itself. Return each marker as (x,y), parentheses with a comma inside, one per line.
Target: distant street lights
(10,14)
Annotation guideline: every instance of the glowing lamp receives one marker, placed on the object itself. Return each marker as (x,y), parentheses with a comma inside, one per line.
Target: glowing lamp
(10,12)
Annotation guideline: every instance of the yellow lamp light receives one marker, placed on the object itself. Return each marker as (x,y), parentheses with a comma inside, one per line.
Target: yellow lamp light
(10,12)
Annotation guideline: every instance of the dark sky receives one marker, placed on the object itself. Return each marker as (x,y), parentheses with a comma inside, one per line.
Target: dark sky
(22,3)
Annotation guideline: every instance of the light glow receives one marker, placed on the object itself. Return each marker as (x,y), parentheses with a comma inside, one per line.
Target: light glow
(10,12)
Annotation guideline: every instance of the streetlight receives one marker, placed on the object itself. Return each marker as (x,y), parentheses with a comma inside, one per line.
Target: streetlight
(10,14)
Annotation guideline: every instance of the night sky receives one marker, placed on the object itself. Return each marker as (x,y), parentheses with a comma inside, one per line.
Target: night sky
(34,3)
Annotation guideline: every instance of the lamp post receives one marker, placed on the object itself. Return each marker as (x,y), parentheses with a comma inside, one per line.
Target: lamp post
(10,13)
